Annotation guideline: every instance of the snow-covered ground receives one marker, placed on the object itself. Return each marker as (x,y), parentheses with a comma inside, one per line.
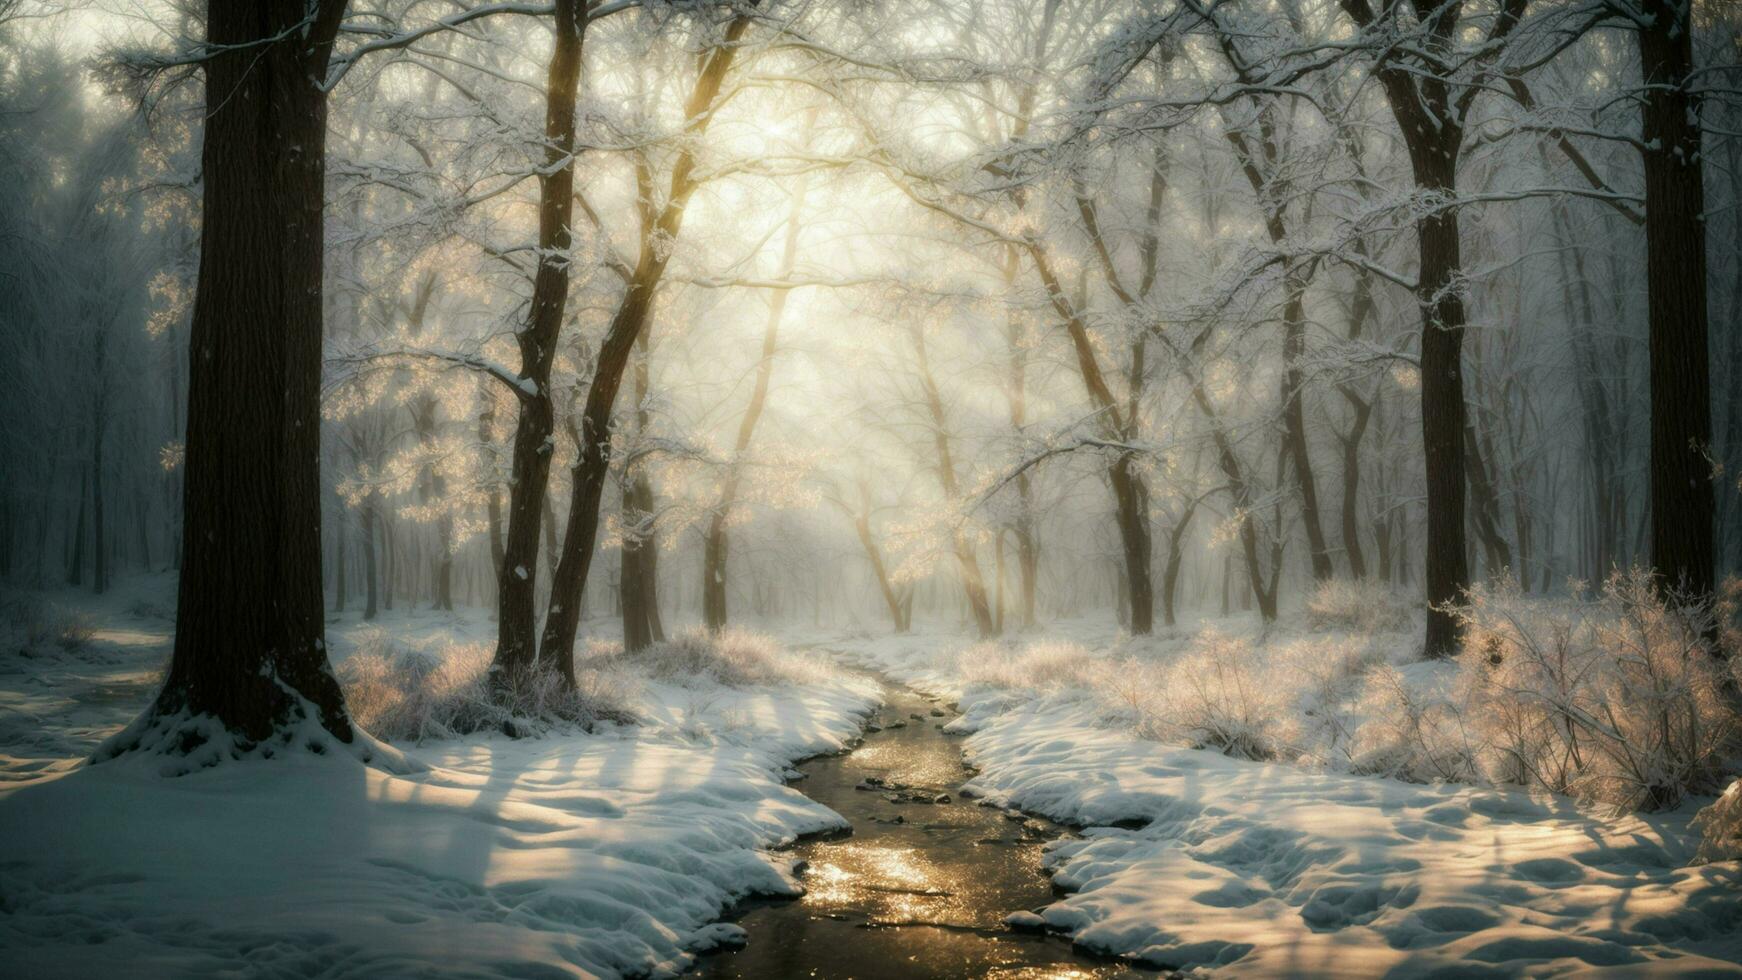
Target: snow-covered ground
(573,855)
(616,852)
(1190,859)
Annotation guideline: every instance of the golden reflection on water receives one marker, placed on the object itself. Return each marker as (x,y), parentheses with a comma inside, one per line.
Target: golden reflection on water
(887,884)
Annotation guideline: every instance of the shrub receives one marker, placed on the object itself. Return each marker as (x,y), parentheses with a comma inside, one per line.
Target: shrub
(1411,731)
(1039,666)
(1364,606)
(1621,701)
(733,657)
(409,694)
(1220,694)
(1720,825)
(72,631)
(37,624)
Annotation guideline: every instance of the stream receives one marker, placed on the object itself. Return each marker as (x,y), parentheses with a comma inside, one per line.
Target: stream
(921,886)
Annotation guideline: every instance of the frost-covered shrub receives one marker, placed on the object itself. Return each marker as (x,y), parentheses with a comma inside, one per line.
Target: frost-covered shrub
(1720,826)
(1411,730)
(408,694)
(734,657)
(72,631)
(1327,675)
(36,624)
(1220,694)
(1364,606)
(1047,665)
(1620,701)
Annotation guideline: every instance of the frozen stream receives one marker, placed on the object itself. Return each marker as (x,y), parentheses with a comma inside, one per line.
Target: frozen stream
(921,886)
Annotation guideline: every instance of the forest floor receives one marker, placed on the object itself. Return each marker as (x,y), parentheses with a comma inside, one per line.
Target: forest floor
(619,852)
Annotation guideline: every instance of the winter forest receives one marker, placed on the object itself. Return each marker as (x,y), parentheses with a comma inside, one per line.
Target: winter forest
(870,488)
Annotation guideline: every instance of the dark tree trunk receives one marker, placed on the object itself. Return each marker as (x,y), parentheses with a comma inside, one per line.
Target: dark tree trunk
(1175,554)
(636,633)
(638,576)
(715,554)
(371,577)
(1675,237)
(250,651)
(1442,410)
(390,561)
(76,552)
(641,486)
(1360,308)
(1352,487)
(1294,425)
(1271,191)
(593,466)
(1132,498)
(649,566)
(340,584)
(1487,510)
(99,539)
(517,626)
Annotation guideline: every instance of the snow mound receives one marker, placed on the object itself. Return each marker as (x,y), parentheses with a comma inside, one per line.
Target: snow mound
(1270,870)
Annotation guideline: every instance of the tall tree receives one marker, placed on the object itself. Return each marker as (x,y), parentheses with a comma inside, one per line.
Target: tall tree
(1431,108)
(250,667)
(594,462)
(1675,239)
(517,577)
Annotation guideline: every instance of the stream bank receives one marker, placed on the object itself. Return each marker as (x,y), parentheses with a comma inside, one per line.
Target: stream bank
(921,886)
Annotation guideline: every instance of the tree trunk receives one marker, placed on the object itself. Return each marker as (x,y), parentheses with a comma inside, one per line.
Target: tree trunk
(1132,498)
(76,553)
(371,577)
(340,585)
(1294,425)
(1175,554)
(636,633)
(1443,416)
(1675,237)
(250,652)
(593,465)
(517,638)
(638,588)
(99,539)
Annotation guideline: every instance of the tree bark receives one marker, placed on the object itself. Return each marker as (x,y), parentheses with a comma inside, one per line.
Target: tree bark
(593,466)
(517,637)
(638,581)
(371,577)
(76,552)
(1675,237)
(1443,423)
(250,651)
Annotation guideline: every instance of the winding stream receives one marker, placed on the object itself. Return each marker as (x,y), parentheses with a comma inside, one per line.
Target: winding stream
(921,886)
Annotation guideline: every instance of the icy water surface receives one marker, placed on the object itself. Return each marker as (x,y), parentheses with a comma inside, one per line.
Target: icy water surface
(921,886)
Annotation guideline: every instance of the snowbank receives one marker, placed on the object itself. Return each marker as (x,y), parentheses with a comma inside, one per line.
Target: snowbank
(1274,870)
(598,854)
(1191,859)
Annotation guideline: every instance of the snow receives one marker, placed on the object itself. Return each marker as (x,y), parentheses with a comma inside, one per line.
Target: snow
(583,855)
(1189,859)
(1282,871)
(617,852)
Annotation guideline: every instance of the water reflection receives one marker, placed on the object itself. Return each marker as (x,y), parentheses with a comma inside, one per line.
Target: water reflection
(921,888)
